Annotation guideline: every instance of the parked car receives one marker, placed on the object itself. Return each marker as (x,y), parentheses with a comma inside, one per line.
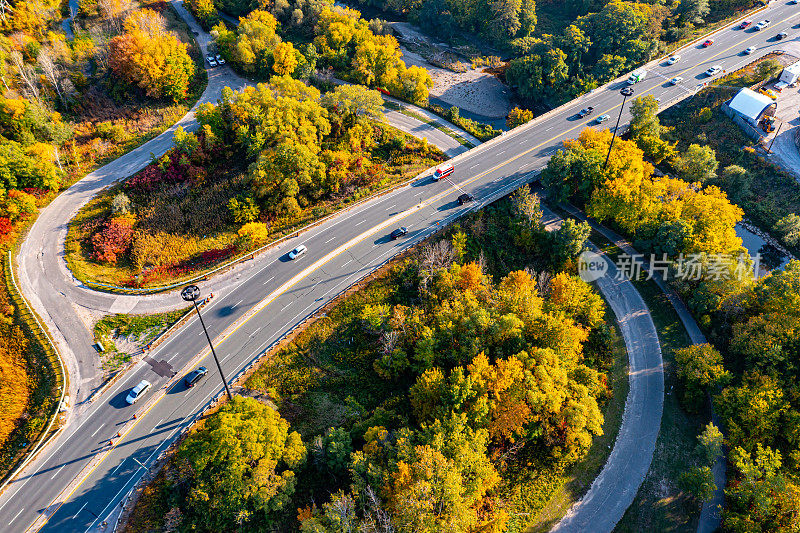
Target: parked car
(602,118)
(762,24)
(211,61)
(707,43)
(465,198)
(781,36)
(138,391)
(676,80)
(713,71)
(585,112)
(220,60)
(297,252)
(749,50)
(195,375)
(744,24)
(399,232)
(673,59)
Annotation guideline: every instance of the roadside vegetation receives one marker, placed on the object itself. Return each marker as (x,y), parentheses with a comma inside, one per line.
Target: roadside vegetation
(123,336)
(453,390)
(65,108)
(266,161)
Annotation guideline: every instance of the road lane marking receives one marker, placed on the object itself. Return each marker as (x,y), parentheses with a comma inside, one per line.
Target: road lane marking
(387,209)
(270,279)
(117,467)
(237,303)
(16,515)
(256,331)
(96,430)
(79,510)
(344,265)
(326,242)
(59,470)
(359,223)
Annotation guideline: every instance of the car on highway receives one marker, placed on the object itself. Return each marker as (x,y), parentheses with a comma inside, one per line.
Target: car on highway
(220,60)
(707,43)
(781,36)
(744,24)
(195,375)
(602,118)
(465,198)
(138,391)
(762,24)
(442,171)
(749,50)
(399,232)
(211,61)
(713,71)
(676,80)
(585,112)
(297,252)
(673,59)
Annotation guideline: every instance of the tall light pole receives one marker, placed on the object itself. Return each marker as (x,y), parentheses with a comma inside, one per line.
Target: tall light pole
(625,92)
(190,293)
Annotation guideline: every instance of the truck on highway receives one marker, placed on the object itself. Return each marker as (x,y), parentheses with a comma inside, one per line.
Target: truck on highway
(442,171)
(637,76)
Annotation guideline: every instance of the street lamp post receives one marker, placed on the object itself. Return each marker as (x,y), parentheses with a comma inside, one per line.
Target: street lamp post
(625,92)
(190,293)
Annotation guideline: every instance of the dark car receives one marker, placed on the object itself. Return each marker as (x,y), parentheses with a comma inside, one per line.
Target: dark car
(585,112)
(195,375)
(464,198)
(781,36)
(399,232)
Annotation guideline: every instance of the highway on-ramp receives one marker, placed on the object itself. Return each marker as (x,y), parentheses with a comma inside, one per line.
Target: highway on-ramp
(340,251)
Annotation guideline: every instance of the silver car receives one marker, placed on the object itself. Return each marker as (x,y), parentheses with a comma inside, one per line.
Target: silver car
(138,391)
(297,252)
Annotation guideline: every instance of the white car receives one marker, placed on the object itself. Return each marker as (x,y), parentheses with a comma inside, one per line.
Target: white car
(713,71)
(297,252)
(676,80)
(673,59)
(749,50)
(602,118)
(138,391)
(762,24)
(220,60)
(211,61)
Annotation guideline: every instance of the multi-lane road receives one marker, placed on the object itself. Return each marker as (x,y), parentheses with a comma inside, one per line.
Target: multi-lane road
(340,251)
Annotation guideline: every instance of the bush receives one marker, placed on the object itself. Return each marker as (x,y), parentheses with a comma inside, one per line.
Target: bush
(113,240)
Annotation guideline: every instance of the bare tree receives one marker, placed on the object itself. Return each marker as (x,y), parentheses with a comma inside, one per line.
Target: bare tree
(26,74)
(376,519)
(114,12)
(5,8)
(542,280)
(52,71)
(389,340)
(100,46)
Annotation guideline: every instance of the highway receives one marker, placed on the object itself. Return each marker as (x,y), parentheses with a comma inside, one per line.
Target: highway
(340,252)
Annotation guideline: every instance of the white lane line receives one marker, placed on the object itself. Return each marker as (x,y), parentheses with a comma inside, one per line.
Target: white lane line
(270,279)
(550,128)
(79,510)
(359,223)
(96,430)
(16,515)
(117,468)
(156,424)
(344,265)
(59,470)
(256,331)
(329,240)
(390,207)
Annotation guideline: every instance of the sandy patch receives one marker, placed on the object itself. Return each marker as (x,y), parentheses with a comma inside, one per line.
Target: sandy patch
(473,90)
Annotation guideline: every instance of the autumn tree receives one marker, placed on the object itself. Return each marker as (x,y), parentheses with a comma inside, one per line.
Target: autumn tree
(150,58)
(517,117)
(243,464)
(701,372)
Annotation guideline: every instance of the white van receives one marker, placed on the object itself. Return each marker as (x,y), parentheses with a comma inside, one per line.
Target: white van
(442,171)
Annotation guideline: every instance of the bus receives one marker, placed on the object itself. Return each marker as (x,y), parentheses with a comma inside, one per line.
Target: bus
(442,171)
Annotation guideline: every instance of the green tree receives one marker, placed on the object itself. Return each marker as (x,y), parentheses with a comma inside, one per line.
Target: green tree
(699,482)
(788,228)
(710,443)
(701,371)
(569,241)
(697,163)
(736,181)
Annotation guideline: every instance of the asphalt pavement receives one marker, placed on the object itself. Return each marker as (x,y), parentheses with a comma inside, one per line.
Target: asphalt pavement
(340,252)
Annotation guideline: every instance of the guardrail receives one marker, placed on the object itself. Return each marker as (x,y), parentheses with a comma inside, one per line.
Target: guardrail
(35,329)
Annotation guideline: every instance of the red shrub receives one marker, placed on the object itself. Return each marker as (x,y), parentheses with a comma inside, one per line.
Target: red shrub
(113,240)
(5,226)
